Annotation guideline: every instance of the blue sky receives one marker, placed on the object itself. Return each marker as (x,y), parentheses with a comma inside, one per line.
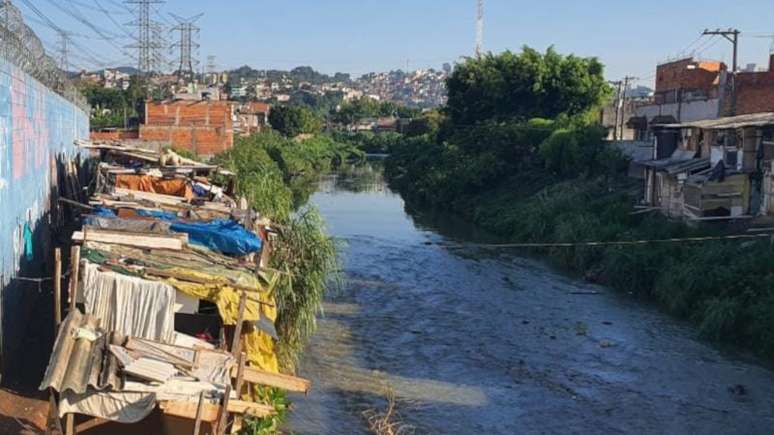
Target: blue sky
(359,36)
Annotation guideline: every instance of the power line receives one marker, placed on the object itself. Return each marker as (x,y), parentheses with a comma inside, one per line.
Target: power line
(611,243)
(112,19)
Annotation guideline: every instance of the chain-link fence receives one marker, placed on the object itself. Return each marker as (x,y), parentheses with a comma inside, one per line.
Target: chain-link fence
(20,46)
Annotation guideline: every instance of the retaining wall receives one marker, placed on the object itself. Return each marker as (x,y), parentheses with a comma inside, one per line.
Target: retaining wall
(37,126)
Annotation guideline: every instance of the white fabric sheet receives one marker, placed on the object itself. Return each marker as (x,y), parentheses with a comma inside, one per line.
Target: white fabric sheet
(129,305)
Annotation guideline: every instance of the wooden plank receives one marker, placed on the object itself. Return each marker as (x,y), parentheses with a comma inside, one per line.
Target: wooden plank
(199,410)
(223,412)
(210,411)
(153,197)
(176,355)
(128,239)
(238,327)
(75,268)
(53,421)
(240,376)
(285,382)
(91,424)
(57,288)
(70,424)
(151,369)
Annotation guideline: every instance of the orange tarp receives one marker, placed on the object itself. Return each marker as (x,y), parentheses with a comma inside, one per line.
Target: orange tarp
(147,183)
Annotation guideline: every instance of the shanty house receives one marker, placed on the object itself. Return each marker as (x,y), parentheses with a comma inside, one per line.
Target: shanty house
(722,168)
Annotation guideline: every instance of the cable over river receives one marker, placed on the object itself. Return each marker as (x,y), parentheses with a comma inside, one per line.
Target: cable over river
(479,341)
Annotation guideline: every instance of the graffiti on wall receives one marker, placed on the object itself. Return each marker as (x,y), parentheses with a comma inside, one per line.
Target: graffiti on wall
(36,126)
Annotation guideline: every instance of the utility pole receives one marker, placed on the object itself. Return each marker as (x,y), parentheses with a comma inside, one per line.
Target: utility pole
(628,80)
(188,31)
(145,44)
(618,85)
(480,29)
(732,35)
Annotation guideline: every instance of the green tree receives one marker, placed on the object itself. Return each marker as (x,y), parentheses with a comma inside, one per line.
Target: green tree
(523,86)
(294,120)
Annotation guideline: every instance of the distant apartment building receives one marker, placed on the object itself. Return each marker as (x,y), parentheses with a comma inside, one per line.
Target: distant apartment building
(203,127)
(238,92)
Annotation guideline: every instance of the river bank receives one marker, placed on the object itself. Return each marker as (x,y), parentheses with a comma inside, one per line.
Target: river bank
(469,340)
(723,287)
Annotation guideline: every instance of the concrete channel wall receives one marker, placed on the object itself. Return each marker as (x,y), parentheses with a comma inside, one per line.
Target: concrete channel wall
(37,128)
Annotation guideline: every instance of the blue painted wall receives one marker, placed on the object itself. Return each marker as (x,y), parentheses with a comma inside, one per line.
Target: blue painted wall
(36,125)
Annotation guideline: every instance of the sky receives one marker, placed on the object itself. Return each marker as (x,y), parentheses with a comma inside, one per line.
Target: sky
(360,36)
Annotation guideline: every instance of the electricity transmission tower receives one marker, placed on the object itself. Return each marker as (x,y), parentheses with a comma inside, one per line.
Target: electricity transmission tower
(64,50)
(187,45)
(480,29)
(158,42)
(146,45)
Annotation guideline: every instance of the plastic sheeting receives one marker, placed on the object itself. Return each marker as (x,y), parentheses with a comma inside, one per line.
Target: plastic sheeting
(220,235)
(131,306)
(146,183)
(258,345)
(122,407)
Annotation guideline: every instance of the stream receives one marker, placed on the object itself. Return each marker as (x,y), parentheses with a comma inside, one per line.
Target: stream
(478,341)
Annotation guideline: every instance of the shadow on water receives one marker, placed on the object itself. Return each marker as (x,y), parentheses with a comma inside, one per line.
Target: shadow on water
(482,342)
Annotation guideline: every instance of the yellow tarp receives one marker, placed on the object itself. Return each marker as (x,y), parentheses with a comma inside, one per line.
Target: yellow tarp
(258,345)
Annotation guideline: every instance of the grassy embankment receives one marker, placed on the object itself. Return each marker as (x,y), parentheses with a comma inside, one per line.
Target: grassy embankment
(563,189)
(277,176)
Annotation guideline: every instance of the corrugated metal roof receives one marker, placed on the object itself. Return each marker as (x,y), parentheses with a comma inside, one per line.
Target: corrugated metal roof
(80,358)
(675,167)
(729,122)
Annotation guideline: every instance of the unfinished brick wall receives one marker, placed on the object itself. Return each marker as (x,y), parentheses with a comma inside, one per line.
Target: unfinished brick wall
(114,135)
(687,75)
(203,127)
(754,92)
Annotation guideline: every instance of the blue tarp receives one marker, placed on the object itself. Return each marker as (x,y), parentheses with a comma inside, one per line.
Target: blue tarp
(220,235)
(160,214)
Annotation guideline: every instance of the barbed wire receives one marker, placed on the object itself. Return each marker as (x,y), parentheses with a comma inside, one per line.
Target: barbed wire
(20,46)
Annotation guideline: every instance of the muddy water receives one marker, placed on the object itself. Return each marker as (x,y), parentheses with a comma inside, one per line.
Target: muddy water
(475,342)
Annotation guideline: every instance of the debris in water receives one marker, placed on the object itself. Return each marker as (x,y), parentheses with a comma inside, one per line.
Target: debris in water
(738,390)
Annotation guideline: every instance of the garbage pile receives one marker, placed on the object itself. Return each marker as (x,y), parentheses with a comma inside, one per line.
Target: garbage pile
(171,300)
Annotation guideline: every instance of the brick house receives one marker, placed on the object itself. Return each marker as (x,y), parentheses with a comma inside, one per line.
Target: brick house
(686,90)
(755,91)
(203,127)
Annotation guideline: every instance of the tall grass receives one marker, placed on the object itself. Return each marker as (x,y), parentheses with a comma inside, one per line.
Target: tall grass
(725,287)
(277,175)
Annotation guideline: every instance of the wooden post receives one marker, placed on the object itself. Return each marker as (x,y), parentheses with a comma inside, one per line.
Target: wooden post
(223,417)
(198,423)
(75,266)
(53,414)
(70,424)
(57,288)
(238,383)
(240,377)
(238,328)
